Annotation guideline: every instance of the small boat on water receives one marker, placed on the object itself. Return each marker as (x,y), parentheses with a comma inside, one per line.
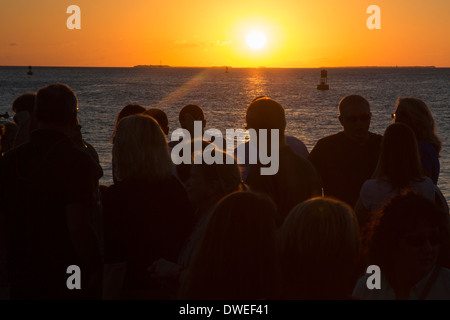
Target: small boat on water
(226,69)
(323,85)
(30,73)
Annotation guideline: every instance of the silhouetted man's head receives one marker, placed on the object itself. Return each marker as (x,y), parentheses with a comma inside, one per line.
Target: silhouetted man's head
(265,113)
(24,102)
(56,104)
(189,114)
(160,117)
(354,115)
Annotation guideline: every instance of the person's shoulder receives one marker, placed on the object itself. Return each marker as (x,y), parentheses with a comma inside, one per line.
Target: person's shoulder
(427,187)
(424,144)
(81,160)
(424,183)
(444,276)
(24,148)
(375,137)
(370,182)
(288,153)
(325,145)
(445,272)
(7,156)
(68,150)
(363,292)
(332,138)
(360,286)
(297,161)
(91,151)
(426,147)
(441,287)
(297,146)
(428,182)
(368,188)
(11,157)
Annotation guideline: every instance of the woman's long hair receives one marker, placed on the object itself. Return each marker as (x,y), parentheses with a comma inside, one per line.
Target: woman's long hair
(417,115)
(319,246)
(399,161)
(140,150)
(236,255)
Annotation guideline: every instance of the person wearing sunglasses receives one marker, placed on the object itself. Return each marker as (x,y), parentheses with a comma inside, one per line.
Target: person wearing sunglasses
(346,159)
(409,241)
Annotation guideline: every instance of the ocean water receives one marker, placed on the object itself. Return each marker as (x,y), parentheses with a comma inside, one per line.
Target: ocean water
(311,114)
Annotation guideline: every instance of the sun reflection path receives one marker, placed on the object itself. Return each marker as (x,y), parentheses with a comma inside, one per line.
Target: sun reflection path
(179,93)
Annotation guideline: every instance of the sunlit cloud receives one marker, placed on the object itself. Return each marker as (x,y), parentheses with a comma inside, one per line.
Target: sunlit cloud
(197,44)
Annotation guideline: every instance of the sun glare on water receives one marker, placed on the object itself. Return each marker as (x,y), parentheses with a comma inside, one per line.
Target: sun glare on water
(256,40)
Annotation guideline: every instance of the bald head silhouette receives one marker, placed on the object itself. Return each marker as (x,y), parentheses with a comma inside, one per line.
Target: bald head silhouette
(265,113)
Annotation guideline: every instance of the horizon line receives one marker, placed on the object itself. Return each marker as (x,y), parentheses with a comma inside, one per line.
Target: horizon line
(140,66)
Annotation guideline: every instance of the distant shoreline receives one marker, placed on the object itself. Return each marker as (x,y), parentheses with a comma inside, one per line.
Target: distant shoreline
(230,67)
(152,66)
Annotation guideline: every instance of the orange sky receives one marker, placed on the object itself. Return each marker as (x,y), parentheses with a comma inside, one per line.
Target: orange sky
(212,33)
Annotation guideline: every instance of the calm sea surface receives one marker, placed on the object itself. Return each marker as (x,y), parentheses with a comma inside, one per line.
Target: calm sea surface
(311,114)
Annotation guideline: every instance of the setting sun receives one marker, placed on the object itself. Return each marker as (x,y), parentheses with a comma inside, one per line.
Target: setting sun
(256,40)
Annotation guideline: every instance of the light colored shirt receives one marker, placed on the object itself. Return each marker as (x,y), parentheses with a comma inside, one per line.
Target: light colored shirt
(440,290)
(374,192)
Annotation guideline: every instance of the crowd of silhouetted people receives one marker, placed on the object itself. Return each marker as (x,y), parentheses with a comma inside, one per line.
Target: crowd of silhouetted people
(221,231)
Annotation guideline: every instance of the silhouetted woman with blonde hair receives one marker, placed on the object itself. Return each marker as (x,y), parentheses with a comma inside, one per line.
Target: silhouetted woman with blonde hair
(417,115)
(319,248)
(147,213)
